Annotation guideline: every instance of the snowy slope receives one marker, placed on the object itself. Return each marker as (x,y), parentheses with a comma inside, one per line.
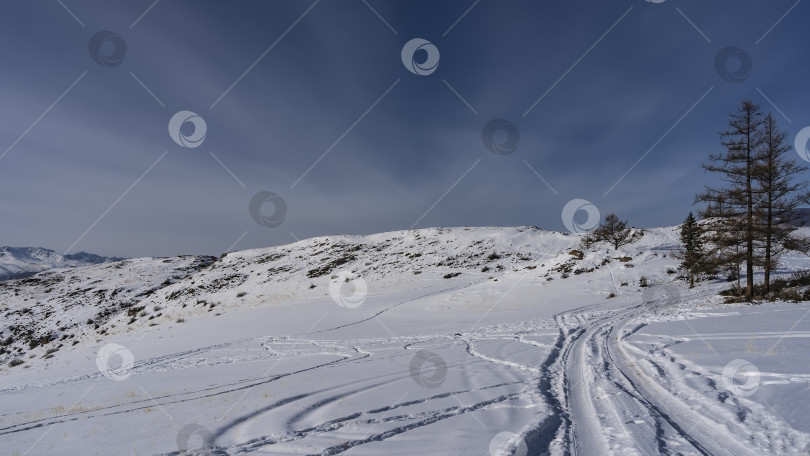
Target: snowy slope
(129,294)
(18,262)
(446,341)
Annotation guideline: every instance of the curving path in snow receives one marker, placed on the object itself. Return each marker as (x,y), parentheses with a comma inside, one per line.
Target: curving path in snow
(615,398)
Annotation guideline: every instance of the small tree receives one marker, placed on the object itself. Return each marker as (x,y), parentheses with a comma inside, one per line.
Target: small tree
(691,252)
(612,230)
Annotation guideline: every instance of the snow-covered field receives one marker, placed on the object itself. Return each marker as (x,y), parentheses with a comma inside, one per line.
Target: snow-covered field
(479,341)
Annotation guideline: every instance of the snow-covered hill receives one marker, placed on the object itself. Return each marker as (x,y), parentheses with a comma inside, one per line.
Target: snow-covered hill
(19,262)
(56,308)
(436,341)
(46,312)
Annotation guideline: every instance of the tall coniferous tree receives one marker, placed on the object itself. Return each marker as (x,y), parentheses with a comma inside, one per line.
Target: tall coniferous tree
(731,210)
(780,194)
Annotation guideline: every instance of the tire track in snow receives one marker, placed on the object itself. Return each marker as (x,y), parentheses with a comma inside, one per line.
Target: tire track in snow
(589,339)
(599,340)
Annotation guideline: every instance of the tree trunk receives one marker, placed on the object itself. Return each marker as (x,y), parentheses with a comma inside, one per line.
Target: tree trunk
(749,235)
(749,270)
(768,236)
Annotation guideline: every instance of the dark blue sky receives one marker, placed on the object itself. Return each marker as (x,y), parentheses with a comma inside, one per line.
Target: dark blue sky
(88,162)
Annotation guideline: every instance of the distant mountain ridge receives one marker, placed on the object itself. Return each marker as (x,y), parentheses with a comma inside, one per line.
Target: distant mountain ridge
(20,262)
